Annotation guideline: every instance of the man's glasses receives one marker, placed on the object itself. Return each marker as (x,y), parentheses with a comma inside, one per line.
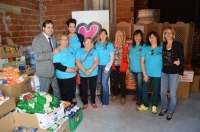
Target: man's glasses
(152,52)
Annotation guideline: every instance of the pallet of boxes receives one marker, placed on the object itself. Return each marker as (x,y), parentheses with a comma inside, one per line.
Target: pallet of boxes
(35,111)
(42,112)
(12,82)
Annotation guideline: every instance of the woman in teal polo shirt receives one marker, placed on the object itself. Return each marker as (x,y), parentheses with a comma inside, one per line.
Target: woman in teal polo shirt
(87,62)
(75,41)
(106,57)
(135,65)
(151,63)
(64,63)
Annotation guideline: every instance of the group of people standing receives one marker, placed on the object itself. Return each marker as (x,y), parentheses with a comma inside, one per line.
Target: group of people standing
(147,61)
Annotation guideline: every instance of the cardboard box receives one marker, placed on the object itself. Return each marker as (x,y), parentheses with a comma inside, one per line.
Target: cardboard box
(14,63)
(7,106)
(187,76)
(17,89)
(47,120)
(3,61)
(148,13)
(13,120)
(196,71)
(194,86)
(183,90)
(64,127)
(76,120)
(35,83)
(4,55)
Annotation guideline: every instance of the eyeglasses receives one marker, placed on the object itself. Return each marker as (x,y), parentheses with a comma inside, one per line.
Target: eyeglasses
(152,52)
(168,33)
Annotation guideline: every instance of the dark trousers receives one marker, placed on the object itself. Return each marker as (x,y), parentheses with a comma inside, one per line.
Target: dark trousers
(80,90)
(67,88)
(119,77)
(156,90)
(92,87)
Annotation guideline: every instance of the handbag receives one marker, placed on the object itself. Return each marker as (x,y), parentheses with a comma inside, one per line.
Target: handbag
(78,78)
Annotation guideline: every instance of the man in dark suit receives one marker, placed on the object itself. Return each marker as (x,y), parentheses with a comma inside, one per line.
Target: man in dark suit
(43,46)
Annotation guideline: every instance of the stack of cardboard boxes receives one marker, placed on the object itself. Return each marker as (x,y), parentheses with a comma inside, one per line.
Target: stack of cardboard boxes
(147,16)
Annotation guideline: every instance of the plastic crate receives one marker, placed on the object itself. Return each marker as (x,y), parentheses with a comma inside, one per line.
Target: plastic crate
(76,120)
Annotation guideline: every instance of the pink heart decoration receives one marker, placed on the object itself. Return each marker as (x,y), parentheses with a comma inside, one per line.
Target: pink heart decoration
(88,33)
(89,30)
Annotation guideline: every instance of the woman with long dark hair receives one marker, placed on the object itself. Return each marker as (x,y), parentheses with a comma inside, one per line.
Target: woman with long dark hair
(135,65)
(151,63)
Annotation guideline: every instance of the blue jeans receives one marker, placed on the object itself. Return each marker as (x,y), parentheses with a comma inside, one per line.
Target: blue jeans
(138,78)
(103,80)
(172,80)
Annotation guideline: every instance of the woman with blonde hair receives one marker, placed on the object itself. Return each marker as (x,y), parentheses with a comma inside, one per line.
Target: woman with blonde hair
(106,57)
(64,62)
(120,65)
(172,71)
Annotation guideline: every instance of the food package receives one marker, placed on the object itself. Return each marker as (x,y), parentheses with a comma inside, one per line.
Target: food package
(130,84)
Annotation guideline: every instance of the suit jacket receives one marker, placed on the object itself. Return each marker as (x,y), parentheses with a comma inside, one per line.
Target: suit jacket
(43,55)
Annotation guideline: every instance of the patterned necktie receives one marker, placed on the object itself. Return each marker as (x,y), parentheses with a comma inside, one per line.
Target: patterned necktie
(50,43)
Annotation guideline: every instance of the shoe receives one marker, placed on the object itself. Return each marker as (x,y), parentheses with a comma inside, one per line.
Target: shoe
(134,99)
(95,106)
(74,101)
(154,109)
(163,112)
(104,106)
(114,98)
(169,116)
(85,107)
(142,107)
(123,101)
(138,102)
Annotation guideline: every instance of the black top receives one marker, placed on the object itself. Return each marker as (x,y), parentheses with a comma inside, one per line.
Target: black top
(169,56)
(81,39)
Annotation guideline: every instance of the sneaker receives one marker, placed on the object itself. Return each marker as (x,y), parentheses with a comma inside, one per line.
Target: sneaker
(142,107)
(104,105)
(85,107)
(154,109)
(95,106)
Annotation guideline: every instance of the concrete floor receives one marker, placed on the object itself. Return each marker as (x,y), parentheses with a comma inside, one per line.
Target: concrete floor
(125,118)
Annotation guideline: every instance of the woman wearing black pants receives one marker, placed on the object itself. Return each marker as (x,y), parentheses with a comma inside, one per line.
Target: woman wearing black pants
(87,62)
(120,65)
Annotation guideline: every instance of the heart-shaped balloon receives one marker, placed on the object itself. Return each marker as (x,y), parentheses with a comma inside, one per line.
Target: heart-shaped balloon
(89,30)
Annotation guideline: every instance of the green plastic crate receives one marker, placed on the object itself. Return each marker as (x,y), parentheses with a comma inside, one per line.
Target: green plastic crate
(76,120)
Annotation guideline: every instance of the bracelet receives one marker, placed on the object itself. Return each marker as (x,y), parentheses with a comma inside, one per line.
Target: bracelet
(90,70)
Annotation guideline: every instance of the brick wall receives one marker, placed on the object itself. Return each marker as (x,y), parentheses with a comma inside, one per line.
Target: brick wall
(124,10)
(22,27)
(59,11)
